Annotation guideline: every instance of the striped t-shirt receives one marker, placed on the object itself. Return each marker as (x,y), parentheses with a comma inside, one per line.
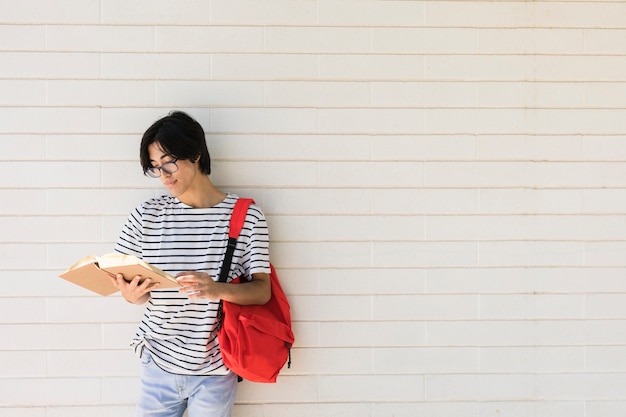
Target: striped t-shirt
(180,333)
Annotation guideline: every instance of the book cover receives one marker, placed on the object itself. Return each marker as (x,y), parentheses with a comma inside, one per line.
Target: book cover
(94,272)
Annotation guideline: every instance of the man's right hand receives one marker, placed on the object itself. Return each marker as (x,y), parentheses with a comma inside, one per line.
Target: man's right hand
(136,291)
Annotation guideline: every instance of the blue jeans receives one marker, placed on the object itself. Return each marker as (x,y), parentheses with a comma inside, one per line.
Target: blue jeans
(164,394)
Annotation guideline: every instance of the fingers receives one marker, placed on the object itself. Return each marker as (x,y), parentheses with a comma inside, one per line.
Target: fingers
(190,282)
(118,281)
(189,277)
(142,284)
(190,288)
(136,285)
(195,284)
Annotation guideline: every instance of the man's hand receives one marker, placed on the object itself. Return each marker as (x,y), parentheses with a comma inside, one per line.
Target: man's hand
(201,285)
(135,291)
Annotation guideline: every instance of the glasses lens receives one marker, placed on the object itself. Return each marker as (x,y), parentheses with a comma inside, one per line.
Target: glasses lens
(169,167)
(153,172)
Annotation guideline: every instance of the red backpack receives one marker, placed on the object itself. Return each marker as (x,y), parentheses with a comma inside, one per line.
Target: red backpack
(255,340)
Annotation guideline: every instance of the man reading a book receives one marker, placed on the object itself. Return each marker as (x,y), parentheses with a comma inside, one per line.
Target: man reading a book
(185,233)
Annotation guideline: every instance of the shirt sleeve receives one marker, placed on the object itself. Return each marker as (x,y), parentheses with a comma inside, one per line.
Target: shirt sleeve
(131,236)
(256,258)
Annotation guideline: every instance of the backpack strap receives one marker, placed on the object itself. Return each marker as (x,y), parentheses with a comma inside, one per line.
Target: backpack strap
(237,219)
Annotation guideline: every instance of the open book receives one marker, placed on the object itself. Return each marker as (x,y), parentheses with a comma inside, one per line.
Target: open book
(94,272)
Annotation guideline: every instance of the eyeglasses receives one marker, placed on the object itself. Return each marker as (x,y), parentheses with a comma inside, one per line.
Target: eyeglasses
(168,167)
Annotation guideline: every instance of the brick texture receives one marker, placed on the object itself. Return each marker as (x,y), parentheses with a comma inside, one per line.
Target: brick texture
(445,183)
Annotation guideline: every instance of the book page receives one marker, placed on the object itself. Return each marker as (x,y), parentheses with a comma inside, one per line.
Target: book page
(117,260)
(94,272)
(85,261)
(131,266)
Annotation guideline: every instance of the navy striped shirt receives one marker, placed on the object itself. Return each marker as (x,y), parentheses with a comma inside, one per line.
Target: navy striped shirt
(180,333)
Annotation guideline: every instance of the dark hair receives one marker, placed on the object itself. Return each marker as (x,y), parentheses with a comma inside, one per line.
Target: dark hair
(180,136)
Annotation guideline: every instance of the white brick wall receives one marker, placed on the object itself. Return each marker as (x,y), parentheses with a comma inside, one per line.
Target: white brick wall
(445,183)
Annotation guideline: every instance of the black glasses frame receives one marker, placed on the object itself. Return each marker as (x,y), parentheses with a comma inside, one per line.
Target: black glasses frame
(168,167)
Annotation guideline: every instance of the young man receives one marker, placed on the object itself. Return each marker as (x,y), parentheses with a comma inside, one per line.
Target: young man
(186,233)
